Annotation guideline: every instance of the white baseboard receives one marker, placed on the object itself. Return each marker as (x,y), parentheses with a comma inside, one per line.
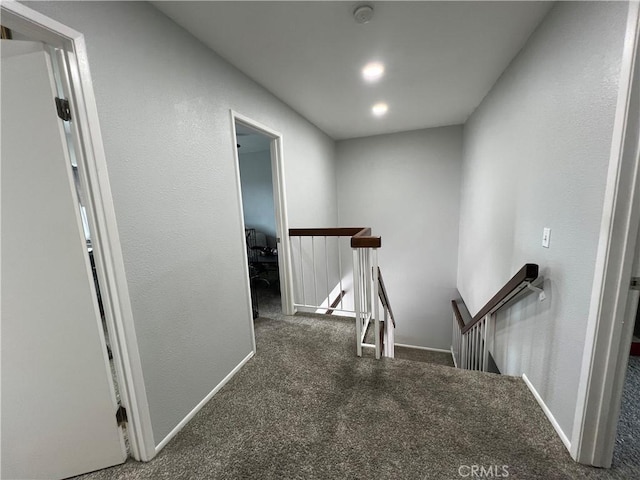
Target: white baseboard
(202,403)
(441,350)
(547,412)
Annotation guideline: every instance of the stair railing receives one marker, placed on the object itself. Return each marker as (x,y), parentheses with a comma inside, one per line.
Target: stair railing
(318,267)
(472,340)
(388,328)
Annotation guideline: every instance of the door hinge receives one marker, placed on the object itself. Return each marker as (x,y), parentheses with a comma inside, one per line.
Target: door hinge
(121,415)
(64,111)
(635,283)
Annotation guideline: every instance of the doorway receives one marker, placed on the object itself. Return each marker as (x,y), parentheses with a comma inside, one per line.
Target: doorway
(71,241)
(614,295)
(259,163)
(52,337)
(62,88)
(258,206)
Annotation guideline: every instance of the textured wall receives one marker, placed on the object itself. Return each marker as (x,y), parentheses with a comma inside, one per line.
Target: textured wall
(536,153)
(406,186)
(163,101)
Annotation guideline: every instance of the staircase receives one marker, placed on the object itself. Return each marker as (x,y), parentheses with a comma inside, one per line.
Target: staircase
(327,282)
(473,337)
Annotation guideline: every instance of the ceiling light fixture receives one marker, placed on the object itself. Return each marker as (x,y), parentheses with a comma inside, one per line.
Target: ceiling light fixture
(373,71)
(363,13)
(379,109)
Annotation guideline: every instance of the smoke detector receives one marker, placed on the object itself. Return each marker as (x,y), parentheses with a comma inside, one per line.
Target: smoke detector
(363,14)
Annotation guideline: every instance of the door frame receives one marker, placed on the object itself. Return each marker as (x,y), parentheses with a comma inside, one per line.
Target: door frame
(608,335)
(280,206)
(108,257)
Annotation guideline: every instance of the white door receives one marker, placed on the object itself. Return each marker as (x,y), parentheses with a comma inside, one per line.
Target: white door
(58,400)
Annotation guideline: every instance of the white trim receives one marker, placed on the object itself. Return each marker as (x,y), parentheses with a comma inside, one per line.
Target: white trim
(453,356)
(108,253)
(243,238)
(282,222)
(37,26)
(441,350)
(547,412)
(602,372)
(202,403)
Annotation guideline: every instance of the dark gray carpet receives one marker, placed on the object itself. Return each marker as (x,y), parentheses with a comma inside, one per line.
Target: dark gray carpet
(626,453)
(427,356)
(306,408)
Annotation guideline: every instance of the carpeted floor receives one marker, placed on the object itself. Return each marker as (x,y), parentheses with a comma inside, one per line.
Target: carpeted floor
(306,408)
(427,356)
(626,454)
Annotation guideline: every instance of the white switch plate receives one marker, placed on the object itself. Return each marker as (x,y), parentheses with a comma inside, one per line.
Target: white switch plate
(546,237)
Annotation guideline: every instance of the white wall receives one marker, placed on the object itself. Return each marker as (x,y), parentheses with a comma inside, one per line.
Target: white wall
(163,101)
(406,187)
(535,155)
(257,193)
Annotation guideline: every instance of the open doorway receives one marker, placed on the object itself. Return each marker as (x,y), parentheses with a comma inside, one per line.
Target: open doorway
(17,42)
(262,194)
(614,295)
(59,69)
(67,247)
(52,336)
(254,161)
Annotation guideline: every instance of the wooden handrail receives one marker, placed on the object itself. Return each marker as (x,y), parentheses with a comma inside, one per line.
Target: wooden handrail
(527,274)
(360,236)
(384,297)
(327,232)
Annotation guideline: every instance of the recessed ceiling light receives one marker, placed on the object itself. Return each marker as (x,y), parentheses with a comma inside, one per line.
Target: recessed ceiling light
(379,109)
(373,71)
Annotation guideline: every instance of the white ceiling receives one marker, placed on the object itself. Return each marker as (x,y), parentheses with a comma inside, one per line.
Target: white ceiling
(441,58)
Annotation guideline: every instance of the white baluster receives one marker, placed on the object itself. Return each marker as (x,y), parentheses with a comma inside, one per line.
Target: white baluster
(488,341)
(473,346)
(463,357)
(376,304)
(304,302)
(340,272)
(356,300)
(326,260)
(315,273)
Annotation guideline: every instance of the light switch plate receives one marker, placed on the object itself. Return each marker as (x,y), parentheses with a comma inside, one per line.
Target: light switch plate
(546,237)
